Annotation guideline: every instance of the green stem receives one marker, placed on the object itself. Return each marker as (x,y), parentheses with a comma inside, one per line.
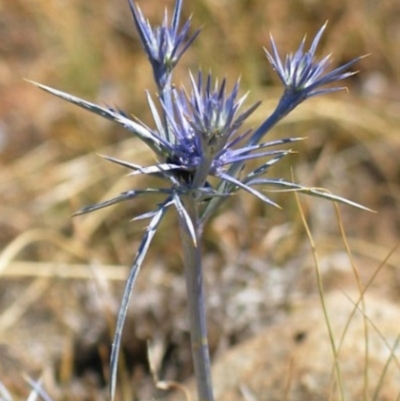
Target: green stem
(195,297)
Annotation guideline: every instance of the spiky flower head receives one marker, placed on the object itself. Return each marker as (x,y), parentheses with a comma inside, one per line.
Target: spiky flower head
(203,122)
(303,75)
(164,44)
(196,140)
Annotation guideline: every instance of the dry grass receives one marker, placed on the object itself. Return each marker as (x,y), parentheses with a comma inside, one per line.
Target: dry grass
(61,278)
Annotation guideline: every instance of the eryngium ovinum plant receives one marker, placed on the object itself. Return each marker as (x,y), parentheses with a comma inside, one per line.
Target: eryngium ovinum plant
(197,135)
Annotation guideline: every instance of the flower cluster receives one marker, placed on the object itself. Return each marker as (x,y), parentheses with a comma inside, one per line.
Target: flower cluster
(197,135)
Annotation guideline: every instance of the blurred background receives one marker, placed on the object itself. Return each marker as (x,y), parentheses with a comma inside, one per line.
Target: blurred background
(61,279)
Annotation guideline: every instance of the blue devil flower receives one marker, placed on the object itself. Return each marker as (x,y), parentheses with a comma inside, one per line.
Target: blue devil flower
(303,76)
(197,138)
(164,44)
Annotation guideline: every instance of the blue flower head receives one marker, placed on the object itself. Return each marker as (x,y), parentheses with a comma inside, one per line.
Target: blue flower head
(204,122)
(163,44)
(302,75)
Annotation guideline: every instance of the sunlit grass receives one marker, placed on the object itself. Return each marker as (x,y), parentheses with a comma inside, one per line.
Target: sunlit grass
(50,168)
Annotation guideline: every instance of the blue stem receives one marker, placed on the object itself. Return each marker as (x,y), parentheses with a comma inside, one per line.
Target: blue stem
(164,92)
(285,106)
(195,297)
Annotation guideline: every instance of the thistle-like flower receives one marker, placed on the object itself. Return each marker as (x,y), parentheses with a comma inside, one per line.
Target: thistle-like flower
(302,75)
(197,136)
(164,44)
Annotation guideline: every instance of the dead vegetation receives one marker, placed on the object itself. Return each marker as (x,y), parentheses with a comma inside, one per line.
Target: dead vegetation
(61,278)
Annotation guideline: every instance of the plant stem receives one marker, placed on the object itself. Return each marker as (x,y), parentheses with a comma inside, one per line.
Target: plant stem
(195,297)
